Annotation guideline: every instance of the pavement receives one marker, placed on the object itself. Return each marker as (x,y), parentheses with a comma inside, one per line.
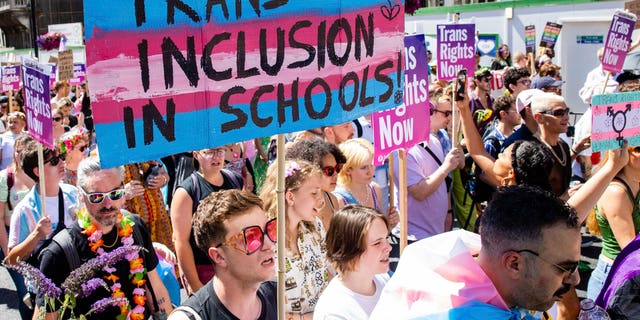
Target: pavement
(9,298)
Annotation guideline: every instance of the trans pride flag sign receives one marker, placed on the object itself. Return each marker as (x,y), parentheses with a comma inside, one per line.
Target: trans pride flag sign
(178,75)
(615,117)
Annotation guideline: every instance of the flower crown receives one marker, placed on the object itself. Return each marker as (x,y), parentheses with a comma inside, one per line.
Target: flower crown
(69,143)
(291,168)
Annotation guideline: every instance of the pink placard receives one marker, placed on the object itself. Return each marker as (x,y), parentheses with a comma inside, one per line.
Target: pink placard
(618,39)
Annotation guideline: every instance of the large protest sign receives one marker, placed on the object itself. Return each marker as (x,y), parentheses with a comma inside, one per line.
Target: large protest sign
(456,49)
(37,101)
(549,36)
(79,73)
(530,38)
(497,83)
(615,117)
(65,65)
(10,78)
(185,75)
(406,125)
(618,40)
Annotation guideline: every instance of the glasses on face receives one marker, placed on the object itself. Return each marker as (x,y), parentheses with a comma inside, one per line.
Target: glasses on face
(213,153)
(253,237)
(636,150)
(525,82)
(487,79)
(55,159)
(57,119)
(558,112)
(571,270)
(446,113)
(82,149)
(98,197)
(330,171)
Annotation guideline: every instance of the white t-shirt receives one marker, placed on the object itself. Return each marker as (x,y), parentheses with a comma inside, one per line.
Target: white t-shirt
(339,302)
(6,144)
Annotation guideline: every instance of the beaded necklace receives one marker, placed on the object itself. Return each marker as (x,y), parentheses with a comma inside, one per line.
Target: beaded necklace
(124,227)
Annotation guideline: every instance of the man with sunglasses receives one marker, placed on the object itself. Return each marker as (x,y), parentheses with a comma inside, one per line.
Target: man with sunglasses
(481,96)
(235,232)
(102,194)
(30,227)
(552,115)
(525,259)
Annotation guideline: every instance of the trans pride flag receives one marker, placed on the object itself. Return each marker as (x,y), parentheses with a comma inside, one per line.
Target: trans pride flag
(179,75)
(615,117)
(438,279)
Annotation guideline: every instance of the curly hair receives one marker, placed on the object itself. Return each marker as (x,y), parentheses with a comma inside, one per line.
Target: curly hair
(214,210)
(313,151)
(532,164)
(512,75)
(347,235)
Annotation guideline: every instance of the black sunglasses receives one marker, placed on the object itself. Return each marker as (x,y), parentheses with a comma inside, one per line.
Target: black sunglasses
(446,113)
(330,171)
(57,118)
(558,112)
(55,159)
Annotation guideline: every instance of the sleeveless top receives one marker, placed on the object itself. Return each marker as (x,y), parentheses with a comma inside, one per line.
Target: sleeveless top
(349,198)
(198,188)
(610,246)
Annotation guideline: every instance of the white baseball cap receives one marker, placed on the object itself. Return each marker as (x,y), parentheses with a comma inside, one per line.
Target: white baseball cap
(525,97)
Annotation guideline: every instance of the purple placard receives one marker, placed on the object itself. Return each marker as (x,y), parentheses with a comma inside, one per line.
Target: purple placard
(405,126)
(37,101)
(618,39)
(52,76)
(79,73)
(10,78)
(456,49)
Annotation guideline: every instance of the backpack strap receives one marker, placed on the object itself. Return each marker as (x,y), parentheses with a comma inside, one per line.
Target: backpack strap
(359,130)
(236,179)
(63,239)
(196,189)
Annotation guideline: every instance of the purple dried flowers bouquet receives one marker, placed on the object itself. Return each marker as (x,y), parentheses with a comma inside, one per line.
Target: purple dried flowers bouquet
(79,284)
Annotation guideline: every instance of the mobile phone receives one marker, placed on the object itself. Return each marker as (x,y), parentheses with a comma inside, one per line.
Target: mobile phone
(461,84)
(152,172)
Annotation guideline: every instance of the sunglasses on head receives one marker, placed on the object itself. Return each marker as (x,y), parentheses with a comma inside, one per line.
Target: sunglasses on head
(253,237)
(558,112)
(57,118)
(330,171)
(98,197)
(55,159)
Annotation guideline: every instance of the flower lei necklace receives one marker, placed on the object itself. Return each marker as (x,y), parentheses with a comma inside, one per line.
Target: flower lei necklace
(136,265)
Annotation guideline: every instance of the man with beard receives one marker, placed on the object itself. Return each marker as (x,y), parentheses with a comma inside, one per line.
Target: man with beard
(103,227)
(524,260)
(232,228)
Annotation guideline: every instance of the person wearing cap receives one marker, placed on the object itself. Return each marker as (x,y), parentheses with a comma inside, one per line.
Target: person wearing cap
(547,84)
(516,80)
(481,95)
(529,128)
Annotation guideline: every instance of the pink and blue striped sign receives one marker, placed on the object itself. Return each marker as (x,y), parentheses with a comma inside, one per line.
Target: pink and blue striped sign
(615,117)
(179,75)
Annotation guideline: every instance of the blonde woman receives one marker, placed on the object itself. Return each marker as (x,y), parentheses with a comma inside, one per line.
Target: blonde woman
(307,271)
(355,181)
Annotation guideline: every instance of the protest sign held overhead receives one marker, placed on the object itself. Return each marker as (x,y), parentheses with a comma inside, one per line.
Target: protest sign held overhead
(65,65)
(456,49)
(408,124)
(79,73)
(618,40)
(549,36)
(530,38)
(186,75)
(37,101)
(10,78)
(615,117)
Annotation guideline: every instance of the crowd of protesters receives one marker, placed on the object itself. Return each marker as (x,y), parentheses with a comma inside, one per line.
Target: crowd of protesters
(207,218)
